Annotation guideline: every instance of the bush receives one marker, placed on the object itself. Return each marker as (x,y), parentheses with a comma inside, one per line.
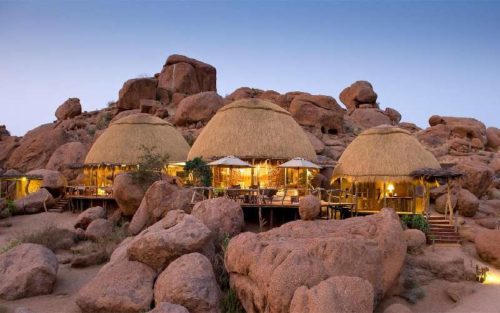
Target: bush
(49,236)
(9,245)
(106,244)
(11,207)
(413,291)
(199,172)
(150,167)
(230,303)
(415,221)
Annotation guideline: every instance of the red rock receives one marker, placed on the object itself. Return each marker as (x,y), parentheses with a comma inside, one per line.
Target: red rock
(7,146)
(27,270)
(477,176)
(359,92)
(181,74)
(86,217)
(53,181)
(266,268)
(488,246)
(36,148)
(412,128)
(69,109)
(133,91)
(189,281)
(165,307)
(309,207)
(99,229)
(318,111)
(4,132)
(397,308)
(198,108)
(367,118)
(393,115)
(493,137)
(35,202)
(221,215)
(342,294)
(67,154)
(128,195)
(467,203)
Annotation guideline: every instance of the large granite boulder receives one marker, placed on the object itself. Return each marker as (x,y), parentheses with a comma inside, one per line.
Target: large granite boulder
(467,203)
(265,269)
(133,91)
(165,307)
(415,240)
(120,286)
(99,229)
(358,93)
(221,215)
(189,281)
(69,109)
(493,137)
(53,181)
(160,198)
(198,108)
(177,234)
(477,176)
(184,75)
(86,217)
(322,112)
(27,270)
(339,294)
(367,118)
(127,193)
(35,202)
(69,153)
(309,207)
(488,246)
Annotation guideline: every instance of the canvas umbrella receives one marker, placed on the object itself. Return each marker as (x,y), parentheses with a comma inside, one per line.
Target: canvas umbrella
(299,163)
(230,162)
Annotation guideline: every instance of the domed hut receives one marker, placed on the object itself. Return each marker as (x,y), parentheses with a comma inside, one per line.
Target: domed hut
(122,145)
(377,170)
(258,132)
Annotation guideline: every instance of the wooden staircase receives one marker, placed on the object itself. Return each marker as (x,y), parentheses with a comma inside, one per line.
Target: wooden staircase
(61,205)
(442,231)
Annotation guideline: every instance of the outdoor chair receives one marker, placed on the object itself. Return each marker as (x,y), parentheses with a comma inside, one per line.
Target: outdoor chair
(268,195)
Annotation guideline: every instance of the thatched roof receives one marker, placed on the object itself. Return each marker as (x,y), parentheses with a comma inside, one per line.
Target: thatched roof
(252,129)
(384,153)
(122,141)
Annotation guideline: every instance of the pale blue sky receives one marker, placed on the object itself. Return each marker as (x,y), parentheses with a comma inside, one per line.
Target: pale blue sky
(423,58)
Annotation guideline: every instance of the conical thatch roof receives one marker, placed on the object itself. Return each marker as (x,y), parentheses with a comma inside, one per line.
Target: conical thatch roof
(383,153)
(122,141)
(252,128)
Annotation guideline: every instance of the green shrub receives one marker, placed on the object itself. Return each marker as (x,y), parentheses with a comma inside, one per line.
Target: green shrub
(150,167)
(415,221)
(230,303)
(103,120)
(50,236)
(9,245)
(11,207)
(199,172)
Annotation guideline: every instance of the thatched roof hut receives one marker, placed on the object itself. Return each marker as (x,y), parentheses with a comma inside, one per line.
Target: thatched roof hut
(122,141)
(252,129)
(384,153)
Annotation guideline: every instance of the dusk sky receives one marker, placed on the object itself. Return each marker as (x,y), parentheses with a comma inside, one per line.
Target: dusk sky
(423,58)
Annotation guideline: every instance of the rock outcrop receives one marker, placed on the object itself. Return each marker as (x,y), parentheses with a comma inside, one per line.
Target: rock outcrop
(198,108)
(69,109)
(127,193)
(322,112)
(134,90)
(309,207)
(265,269)
(86,217)
(34,202)
(27,270)
(488,246)
(359,93)
(99,229)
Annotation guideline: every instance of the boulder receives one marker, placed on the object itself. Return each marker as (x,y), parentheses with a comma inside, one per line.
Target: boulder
(36,147)
(322,112)
(493,137)
(397,308)
(367,118)
(99,229)
(489,222)
(23,310)
(488,246)
(340,294)
(358,93)
(160,198)
(7,146)
(415,240)
(309,207)
(165,307)
(477,176)
(86,217)
(188,76)
(69,153)
(133,91)
(440,204)
(221,215)
(69,109)
(27,270)
(177,234)
(198,108)
(128,194)
(35,202)
(317,144)
(53,181)
(467,203)
(189,281)
(266,268)
(120,286)
(394,116)
(435,136)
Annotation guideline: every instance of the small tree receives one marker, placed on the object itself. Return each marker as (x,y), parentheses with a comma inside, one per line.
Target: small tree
(150,167)
(199,172)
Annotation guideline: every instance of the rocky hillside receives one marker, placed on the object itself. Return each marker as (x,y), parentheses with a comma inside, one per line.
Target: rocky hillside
(184,93)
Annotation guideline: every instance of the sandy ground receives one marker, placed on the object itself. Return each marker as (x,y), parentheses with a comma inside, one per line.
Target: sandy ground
(485,299)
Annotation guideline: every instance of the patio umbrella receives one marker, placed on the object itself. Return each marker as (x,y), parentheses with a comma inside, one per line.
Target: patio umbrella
(299,163)
(230,162)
